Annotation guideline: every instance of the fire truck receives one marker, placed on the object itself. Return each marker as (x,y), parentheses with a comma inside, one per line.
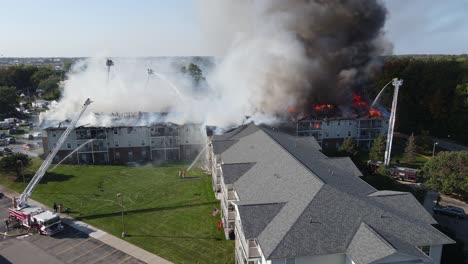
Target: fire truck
(32,216)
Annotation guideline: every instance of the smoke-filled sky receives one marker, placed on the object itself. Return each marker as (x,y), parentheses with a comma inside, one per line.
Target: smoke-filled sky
(274,55)
(168,28)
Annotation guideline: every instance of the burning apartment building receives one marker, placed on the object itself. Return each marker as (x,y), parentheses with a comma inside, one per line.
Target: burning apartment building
(329,125)
(126,139)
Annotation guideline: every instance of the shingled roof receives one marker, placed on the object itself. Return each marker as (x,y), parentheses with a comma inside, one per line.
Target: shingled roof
(309,204)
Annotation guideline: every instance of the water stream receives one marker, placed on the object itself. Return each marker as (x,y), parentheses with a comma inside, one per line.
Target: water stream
(71,153)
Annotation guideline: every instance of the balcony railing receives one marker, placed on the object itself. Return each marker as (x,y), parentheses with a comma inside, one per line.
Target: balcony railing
(253,250)
(164,133)
(231,215)
(231,195)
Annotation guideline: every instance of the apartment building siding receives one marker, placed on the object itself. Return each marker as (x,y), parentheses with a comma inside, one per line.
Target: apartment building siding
(330,133)
(119,145)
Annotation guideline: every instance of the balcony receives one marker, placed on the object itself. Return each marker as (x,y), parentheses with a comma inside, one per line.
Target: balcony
(165,142)
(231,195)
(231,215)
(253,250)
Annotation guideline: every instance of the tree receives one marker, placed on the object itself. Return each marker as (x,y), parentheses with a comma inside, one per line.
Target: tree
(196,73)
(348,147)
(410,149)
(448,172)
(378,149)
(50,87)
(424,143)
(8,102)
(15,162)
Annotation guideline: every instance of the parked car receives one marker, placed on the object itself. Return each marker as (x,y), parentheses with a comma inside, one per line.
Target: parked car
(28,136)
(449,211)
(29,146)
(7,150)
(37,135)
(10,140)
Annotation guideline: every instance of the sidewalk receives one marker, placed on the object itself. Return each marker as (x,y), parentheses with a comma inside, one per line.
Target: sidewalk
(98,234)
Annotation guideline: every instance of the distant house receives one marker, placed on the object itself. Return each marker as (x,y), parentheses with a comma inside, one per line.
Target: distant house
(40,103)
(284,201)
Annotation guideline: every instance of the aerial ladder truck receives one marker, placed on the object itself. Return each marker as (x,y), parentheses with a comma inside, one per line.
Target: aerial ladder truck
(35,217)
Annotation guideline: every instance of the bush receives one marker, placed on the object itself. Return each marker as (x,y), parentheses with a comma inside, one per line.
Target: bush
(12,163)
(448,173)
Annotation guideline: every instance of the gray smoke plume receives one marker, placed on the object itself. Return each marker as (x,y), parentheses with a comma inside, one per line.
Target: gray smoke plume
(271,54)
(279,53)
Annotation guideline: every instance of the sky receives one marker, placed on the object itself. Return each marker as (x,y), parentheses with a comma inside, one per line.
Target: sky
(67,28)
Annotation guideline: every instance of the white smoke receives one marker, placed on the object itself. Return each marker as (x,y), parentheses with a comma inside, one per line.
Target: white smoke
(271,54)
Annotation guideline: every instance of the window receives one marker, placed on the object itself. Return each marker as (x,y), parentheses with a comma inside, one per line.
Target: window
(116,143)
(68,145)
(328,123)
(338,134)
(143,154)
(339,122)
(54,135)
(349,123)
(117,155)
(326,134)
(143,142)
(130,155)
(349,133)
(290,261)
(115,132)
(425,249)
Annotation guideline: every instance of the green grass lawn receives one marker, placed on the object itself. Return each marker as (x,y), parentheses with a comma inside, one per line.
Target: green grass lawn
(164,215)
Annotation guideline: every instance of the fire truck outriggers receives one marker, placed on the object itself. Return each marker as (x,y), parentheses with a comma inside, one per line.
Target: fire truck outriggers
(35,217)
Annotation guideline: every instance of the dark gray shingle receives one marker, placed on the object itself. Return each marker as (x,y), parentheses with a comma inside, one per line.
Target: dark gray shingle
(258,216)
(233,171)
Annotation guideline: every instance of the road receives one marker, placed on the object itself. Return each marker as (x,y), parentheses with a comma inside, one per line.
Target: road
(449,145)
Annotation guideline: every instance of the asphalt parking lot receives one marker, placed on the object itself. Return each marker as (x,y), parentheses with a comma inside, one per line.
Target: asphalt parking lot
(68,246)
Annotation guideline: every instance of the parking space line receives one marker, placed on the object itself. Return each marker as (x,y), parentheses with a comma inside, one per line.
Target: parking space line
(73,246)
(44,237)
(125,259)
(86,253)
(60,241)
(108,254)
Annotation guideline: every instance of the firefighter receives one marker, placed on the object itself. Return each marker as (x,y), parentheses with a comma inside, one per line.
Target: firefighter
(6,223)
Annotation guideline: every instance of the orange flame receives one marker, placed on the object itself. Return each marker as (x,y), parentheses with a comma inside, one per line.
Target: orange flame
(322,107)
(358,102)
(374,113)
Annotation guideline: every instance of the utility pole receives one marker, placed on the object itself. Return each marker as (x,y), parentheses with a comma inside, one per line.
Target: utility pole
(120,196)
(391,122)
(433,149)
